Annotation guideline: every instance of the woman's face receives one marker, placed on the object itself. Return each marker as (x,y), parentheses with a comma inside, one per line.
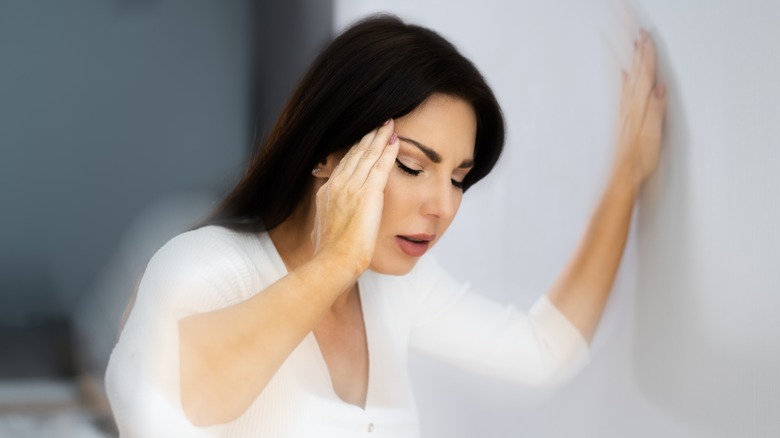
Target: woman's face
(422,193)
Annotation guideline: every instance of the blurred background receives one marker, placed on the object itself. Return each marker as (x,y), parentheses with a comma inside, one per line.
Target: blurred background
(123,122)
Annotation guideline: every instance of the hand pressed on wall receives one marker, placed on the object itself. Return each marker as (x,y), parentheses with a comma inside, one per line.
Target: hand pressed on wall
(642,109)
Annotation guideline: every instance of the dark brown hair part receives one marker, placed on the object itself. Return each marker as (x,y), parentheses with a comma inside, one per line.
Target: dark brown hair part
(378,68)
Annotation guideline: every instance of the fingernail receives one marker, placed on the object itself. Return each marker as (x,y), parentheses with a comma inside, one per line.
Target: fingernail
(387,122)
(660,90)
(393,138)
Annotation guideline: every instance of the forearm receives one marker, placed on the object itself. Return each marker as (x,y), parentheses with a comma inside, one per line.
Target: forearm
(581,291)
(228,356)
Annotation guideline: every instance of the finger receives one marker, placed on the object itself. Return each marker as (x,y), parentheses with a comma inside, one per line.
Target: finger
(657,105)
(661,91)
(322,197)
(348,163)
(636,60)
(373,153)
(646,74)
(624,81)
(638,63)
(652,125)
(380,139)
(380,171)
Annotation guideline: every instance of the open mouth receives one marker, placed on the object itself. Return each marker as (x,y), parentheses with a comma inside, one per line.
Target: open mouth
(414,246)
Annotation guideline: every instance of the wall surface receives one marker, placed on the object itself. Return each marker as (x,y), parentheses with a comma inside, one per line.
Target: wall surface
(707,347)
(688,346)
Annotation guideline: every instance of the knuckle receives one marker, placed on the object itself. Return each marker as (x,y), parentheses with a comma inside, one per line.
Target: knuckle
(349,190)
(373,152)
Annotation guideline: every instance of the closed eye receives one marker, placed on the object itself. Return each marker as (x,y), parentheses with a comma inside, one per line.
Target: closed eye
(414,172)
(407,169)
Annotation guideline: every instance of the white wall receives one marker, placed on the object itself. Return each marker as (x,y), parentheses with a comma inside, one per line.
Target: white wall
(687,346)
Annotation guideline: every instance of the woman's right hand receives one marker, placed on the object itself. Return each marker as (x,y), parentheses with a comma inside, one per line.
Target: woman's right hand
(227,356)
(349,205)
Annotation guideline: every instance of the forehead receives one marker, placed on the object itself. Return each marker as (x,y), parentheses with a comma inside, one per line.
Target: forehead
(444,123)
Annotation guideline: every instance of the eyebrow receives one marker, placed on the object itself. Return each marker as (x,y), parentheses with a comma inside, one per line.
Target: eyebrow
(433,155)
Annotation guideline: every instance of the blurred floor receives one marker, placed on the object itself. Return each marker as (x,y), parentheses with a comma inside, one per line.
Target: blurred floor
(41,392)
(48,408)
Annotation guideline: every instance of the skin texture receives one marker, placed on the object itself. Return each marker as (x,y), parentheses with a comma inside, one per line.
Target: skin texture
(408,205)
(426,203)
(581,291)
(356,206)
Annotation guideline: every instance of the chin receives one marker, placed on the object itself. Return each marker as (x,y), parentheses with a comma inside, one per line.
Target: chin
(392,265)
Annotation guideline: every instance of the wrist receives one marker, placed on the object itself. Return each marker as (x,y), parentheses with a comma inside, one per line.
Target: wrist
(625,179)
(626,175)
(339,268)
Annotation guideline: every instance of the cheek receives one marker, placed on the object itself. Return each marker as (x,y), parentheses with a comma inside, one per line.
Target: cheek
(458,200)
(397,203)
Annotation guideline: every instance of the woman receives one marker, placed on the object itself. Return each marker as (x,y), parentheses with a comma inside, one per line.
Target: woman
(290,312)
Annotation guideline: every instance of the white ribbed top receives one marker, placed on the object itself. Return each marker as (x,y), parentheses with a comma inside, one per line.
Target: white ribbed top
(425,310)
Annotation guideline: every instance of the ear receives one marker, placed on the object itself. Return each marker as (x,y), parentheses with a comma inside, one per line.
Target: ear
(324,169)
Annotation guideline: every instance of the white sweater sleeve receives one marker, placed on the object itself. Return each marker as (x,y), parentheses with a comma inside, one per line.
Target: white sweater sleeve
(193,273)
(450,322)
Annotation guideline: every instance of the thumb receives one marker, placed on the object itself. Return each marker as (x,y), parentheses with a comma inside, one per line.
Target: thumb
(656,108)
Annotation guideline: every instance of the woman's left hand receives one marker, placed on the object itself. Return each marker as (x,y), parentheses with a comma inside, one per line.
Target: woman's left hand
(642,109)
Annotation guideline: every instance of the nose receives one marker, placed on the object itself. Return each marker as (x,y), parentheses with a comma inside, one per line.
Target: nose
(440,201)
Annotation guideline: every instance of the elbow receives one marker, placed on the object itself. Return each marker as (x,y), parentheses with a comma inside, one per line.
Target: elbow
(203,411)
(558,370)
(213,391)
(217,384)
(206,399)
(202,394)
(551,368)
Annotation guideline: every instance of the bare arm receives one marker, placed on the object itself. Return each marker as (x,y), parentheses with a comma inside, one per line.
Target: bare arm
(582,290)
(228,356)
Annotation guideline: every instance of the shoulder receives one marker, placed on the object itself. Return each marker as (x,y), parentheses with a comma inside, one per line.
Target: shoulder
(208,239)
(213,246)
(211,261)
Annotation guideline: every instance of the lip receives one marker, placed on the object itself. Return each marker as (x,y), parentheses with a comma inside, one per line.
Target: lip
(415,249)
(426,237)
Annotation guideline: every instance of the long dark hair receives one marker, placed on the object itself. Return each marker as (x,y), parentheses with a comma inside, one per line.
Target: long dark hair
(378,68)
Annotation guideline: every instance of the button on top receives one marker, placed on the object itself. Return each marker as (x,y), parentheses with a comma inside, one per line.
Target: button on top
(370,427)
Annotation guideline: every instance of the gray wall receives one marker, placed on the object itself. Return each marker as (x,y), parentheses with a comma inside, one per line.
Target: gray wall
(121,123)
(106,105)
